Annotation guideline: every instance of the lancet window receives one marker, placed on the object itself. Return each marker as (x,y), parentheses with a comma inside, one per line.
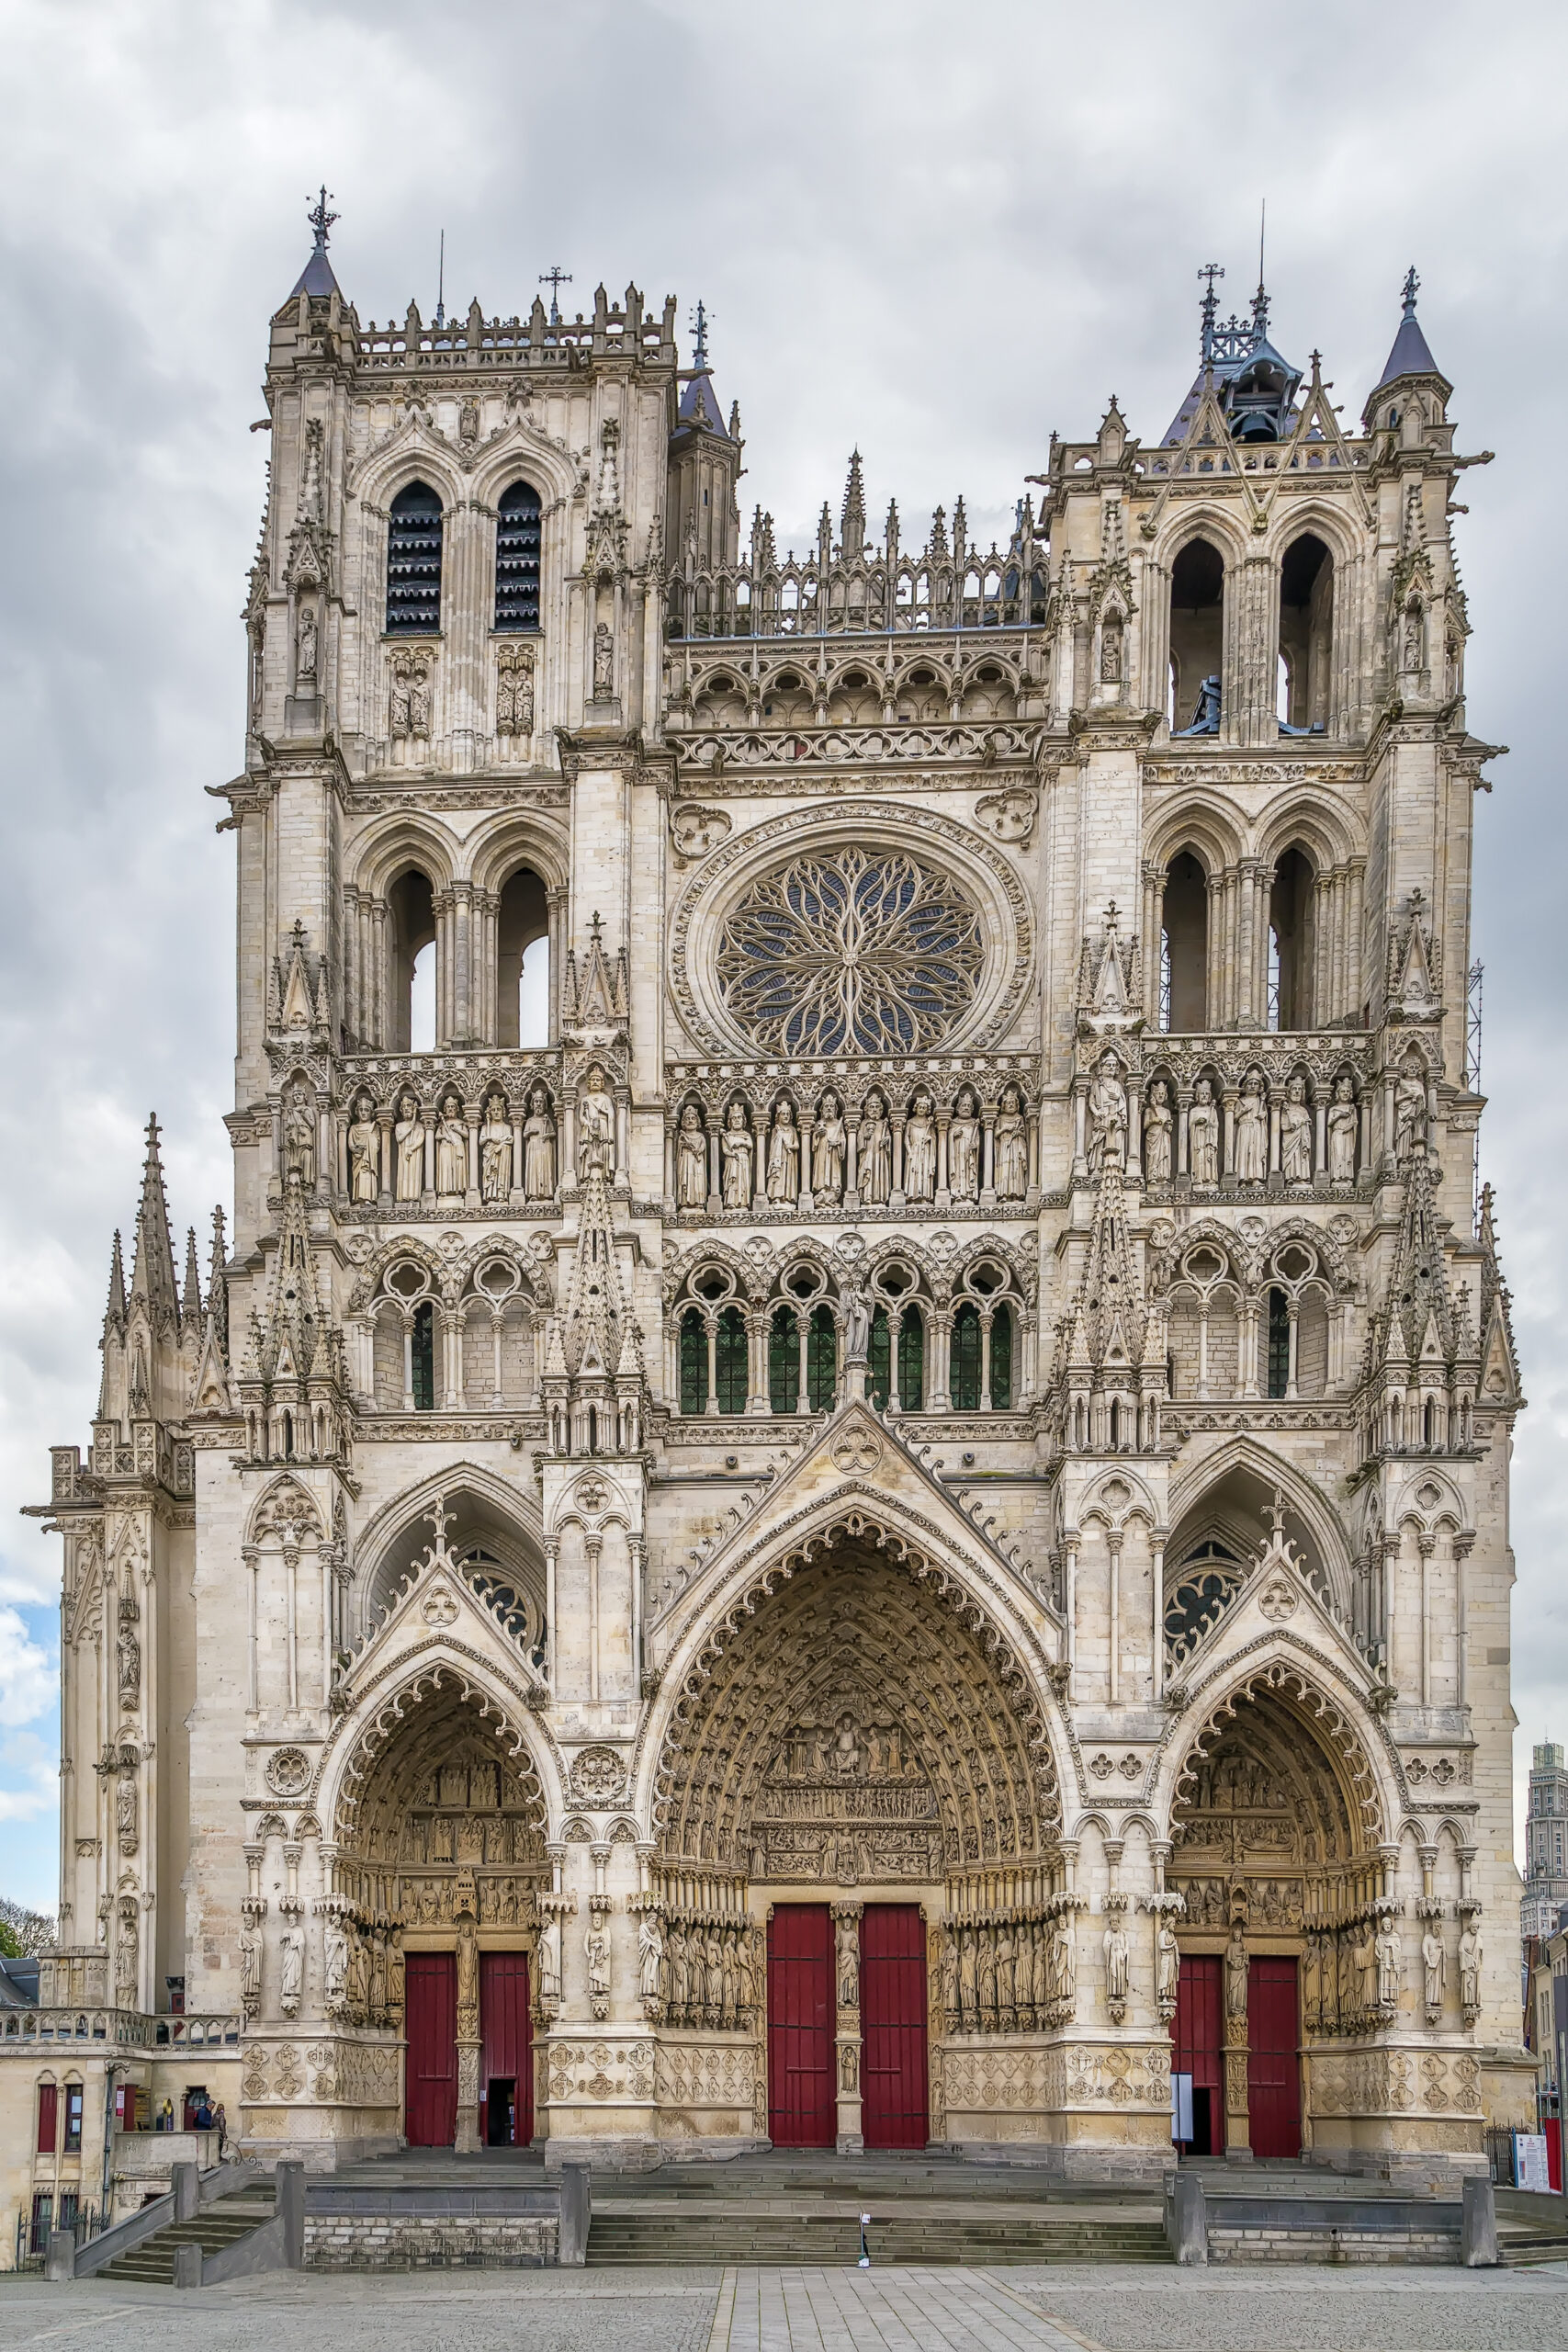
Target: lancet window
(413,562)
(1197,638)
(517,536)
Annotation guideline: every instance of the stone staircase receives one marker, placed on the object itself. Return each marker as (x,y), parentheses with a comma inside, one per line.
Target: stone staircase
(218,2225)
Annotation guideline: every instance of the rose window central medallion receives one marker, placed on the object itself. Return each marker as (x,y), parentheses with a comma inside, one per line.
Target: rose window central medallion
(855,951)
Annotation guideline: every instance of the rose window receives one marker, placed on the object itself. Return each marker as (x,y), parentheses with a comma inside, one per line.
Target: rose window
(858,952)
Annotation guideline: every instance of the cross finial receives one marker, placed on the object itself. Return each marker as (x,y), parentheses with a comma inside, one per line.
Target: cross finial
(700,338)
(1409,289)
(1210,271)
(555,279)
(320,219)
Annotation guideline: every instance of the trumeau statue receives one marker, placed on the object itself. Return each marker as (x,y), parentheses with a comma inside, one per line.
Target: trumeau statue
(703,1638)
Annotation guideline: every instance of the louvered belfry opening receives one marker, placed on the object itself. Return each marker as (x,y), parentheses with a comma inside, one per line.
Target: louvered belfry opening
(413,563)
(517,558)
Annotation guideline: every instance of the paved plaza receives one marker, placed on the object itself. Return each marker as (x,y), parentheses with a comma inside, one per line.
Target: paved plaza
(1069,2309)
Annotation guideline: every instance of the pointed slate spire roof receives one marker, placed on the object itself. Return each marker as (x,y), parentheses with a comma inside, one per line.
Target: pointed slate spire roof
(699,403)
(317,276)
(153,1264)
(1410,355)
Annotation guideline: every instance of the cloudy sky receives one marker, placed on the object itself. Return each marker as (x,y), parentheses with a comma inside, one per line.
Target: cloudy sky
(936,231)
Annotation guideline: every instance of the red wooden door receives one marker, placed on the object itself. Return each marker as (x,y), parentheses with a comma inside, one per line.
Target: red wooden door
(1273,2068)
(1195,2040)
(430,1985)
(801,2110)
(894,2112)
(508,2053)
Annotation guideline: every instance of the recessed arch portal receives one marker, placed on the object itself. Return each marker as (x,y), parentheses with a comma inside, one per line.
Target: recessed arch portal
(856,1729)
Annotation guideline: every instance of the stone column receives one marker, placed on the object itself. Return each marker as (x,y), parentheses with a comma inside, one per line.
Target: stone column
(467,2142)
(1238,2127)
(850,2140)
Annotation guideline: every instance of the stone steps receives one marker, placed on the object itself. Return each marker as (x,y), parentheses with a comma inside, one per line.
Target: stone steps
(833,2239)
(221,2224)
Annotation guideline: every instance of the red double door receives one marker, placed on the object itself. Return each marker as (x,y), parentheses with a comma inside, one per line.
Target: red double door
(802,2094)
(506,2059)
(1273,2066)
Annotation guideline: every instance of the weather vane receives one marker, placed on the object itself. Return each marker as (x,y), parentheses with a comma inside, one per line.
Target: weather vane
(555,279)
(320,219)
(700,338)
(1411,284)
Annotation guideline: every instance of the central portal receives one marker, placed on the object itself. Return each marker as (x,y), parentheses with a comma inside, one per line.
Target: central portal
(821,2044)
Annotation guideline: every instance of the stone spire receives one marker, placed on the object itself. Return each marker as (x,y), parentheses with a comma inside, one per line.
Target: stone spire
(153,1262)
(294,1385)
(190,1303)
(114,1314)
(1409,354)
(594,1378)
(852,522)
(317,276)
(1109,1375)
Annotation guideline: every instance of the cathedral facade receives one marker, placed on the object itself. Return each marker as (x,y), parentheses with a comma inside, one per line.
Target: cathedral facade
(845,1479)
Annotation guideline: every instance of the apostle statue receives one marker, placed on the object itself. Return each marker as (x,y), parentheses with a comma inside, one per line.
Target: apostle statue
(691,1160)
(1344,1125)
(595,1126)
(1434,1966)
(1204,1135)
(408,1136)
(1117,1957)
(1409,1109)
(783,1156)
(920,1150)
(539,1148)
(875,1157)
(736,1147)
(334,1953)
(364,1153)
(963,1150)
(649,1954)
(1296,1134)
(451,1151)
(300,1134)
(291,1971)
(1252,1131)
(1168,1964)
(1010,1148)
(1107,1116)
(828,1146)
(495,1150)
(1159,1124)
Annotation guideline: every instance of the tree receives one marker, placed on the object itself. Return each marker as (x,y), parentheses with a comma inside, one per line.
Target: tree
(24,1933)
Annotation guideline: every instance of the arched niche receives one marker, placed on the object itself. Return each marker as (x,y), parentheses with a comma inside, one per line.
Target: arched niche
(499,1559)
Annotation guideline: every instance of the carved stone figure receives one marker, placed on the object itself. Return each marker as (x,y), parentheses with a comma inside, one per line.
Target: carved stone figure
(1390,1957)
(419,699)
(126,1967)
(127,1653)
(920,1150)
(290,1970)
(408,1136)
(963,1150)
(1168,1964)
(596,1953)
(595,1126)
(451,1151)
(1434,1967)
(783,1156)
(650,1955)
(1110,648)
(1160,1124)
(305,662)
(691,1160)
(735,1147)
(1409,1109)
(539,1147)
(857,1325)
(829,1144)
(1064,1960)
(300,1134)
(334,1966)
(603,663)
(1117,1956)
(364,1153)
(1469,1957)
(514,694)
(125,1812)
(1107,1116)
(250,1968)
(1296,1134)
(1252,1131)
(1344,1125)
(875,1154)
(1204,1135)
(468,1971)
(1235,1975)
(1010,1147)
(547,1954)
(495,1150)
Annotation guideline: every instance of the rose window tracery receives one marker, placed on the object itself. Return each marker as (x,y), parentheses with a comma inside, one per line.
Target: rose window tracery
(860,951)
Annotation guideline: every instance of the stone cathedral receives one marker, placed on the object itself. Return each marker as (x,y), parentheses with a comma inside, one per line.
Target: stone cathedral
(845,1479)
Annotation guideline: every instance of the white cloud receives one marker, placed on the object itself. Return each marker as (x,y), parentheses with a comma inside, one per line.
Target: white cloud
(29,1680)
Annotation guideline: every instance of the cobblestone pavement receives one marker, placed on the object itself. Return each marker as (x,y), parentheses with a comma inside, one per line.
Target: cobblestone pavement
(1063,2309)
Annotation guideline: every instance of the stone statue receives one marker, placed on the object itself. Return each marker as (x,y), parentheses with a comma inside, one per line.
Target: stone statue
(305,666)
(335,1962)
(291,1971)
(857,1325)
(1389,1954)
(1006,1988)
(603,663)
(1434,1965)
(1252,1131)
(397,700)
(468,1968)
(1107,1116)
(595,1126)
(875,1155)
(919,1151)
(1204,1135)
(539,1148)
(126,1969)
(364,1153)
(963,1150)
(125,1812)
(547,1953)
(735,1145)
(596,1953)
(691,1160)
(1235,1975)
(849,2066)
(1117,1956)
(1470,1966)
(846,1944)
(650,1955)
(1110,648)
(829,1144)
(783,1156)
(127,1652)
(300,1134)
(451,1151)
(1158,1127)
(419,699)
(1168,1963)
(408,1136)
(1344,1124)
(1010,1147)
(1296,1134)
(1409,1109)
(1064,1960)
(495,1150)
(250,1966)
